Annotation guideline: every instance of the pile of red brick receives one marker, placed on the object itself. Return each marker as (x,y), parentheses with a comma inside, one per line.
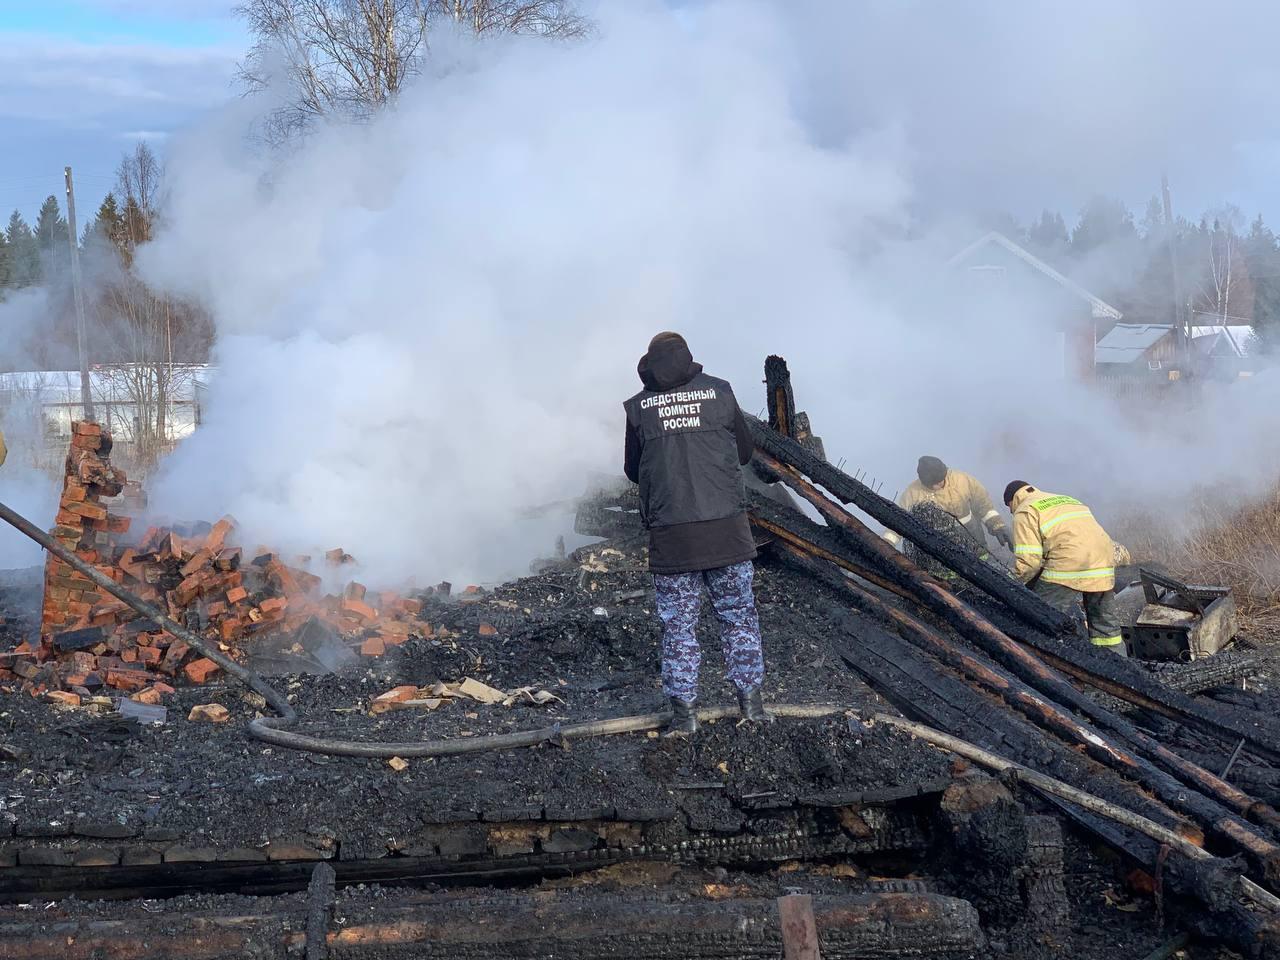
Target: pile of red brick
(90,640)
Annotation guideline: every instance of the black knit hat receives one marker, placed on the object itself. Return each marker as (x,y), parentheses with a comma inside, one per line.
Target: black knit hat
(1012,489)
(931,471)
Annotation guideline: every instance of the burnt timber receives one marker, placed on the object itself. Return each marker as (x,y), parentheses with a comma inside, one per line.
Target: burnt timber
(857,927)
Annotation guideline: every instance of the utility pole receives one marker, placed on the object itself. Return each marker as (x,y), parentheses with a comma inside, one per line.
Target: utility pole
(1184,330)
(86,396)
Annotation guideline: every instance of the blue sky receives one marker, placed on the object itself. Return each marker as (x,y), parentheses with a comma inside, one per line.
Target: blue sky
(992,96)
(85,79)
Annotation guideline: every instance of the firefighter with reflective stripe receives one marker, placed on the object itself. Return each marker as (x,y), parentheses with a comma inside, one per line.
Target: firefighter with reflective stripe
(1066,557)
(4,452)
(959,494)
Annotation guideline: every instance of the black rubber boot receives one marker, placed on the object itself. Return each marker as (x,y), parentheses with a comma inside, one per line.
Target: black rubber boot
(751,706)
(684,719)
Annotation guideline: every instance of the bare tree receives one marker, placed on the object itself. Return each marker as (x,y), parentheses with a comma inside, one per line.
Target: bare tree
(1225,289)
(349,58)
(150,339)
(138,185)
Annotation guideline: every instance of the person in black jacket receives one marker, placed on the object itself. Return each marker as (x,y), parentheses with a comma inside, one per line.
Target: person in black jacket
(686,444)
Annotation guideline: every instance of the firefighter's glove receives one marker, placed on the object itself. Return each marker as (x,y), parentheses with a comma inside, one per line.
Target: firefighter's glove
(1002,535)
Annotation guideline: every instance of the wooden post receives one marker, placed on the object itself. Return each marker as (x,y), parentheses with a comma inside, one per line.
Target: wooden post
(799,928)
(86,396)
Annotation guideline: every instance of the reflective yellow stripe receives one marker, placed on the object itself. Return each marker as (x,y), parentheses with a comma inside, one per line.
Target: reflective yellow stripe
(989,514)
(966,518)
(1046,527)
(1029,548)
(1079,574)
(1106,641)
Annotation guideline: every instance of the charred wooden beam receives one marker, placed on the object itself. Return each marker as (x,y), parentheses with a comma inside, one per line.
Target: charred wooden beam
(1212,808)
(781,399)
(940,700)
(920,686)
(1018,598)
(1207,885)
(566,926)
(780,522)
(1130,682)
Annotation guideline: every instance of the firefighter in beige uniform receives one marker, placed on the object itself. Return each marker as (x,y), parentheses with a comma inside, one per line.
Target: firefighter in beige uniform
(1065,556)
(960,495)
(3,451)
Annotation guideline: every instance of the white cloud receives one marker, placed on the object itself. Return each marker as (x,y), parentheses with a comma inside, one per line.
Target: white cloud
(110,86)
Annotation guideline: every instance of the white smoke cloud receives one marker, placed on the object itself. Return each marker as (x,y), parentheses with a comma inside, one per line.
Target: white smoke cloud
(430,322)
(24,486)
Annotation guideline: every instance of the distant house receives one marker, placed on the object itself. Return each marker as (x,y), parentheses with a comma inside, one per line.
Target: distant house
(147,408)
(1221,346)
(1129,349)
(1075,314)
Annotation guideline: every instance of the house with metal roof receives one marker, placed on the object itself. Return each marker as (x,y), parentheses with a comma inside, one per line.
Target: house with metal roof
(994,262)
(1151,345)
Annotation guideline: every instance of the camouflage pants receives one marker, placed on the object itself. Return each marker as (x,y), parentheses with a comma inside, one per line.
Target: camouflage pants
(679,597)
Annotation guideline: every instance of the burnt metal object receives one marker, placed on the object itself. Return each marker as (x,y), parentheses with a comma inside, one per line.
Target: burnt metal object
(845,488)
(1181,621)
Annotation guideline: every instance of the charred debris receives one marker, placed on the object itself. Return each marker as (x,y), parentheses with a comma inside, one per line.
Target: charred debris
(1088,805)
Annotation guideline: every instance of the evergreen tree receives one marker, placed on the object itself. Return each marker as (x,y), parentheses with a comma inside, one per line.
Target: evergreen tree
(1103,221)
(136,225)
(1263,253)
(51,228)
(1048,236)
(107,225)
(24,252)
(1152,227)
(6,266)
(51,239)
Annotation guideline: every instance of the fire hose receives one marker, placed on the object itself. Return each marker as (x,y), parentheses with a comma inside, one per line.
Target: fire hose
(275,730)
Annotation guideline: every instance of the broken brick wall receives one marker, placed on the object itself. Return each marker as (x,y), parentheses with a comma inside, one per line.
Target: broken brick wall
(85,526)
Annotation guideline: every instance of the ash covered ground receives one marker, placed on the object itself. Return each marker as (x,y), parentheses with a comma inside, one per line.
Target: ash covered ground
(588,636)
(598,654)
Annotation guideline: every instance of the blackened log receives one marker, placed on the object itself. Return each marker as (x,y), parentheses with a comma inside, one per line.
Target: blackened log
(920,686)
(1210,885)
(781,400)
(783,522)
(321,894)
(988,845)
(1014,595)
(882,925)
(1213,810)
(1127,680)
(1044,887)
(1224,667)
